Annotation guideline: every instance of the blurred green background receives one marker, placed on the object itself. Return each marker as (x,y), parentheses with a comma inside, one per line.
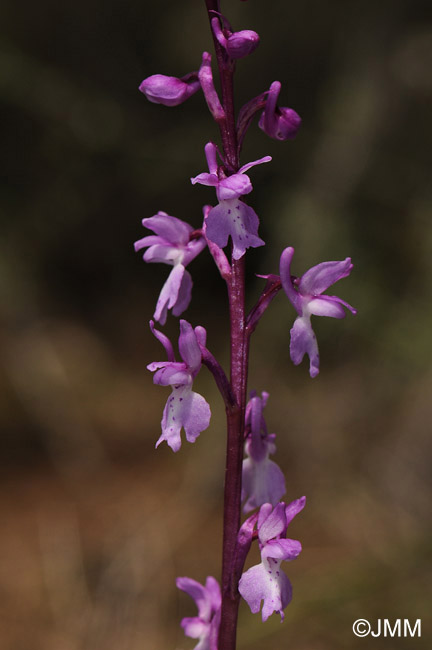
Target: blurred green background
(95,524)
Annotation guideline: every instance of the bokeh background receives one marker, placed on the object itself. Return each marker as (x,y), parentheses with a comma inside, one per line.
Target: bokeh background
(96,525)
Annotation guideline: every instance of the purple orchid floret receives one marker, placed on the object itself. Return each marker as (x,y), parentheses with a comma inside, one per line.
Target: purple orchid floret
(169,91)
(279,123)
(306,297)
(266,581)
(205,626)
(172,244)
(262,480)
(184,408)
(231,217)
(237,44)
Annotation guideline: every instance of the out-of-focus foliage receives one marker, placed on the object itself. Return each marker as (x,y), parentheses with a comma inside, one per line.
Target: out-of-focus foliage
(97,525)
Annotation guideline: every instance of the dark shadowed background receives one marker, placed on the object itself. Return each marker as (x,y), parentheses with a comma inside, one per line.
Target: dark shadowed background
(96,525)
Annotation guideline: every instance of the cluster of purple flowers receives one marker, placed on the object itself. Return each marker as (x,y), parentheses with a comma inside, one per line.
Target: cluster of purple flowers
(177,244)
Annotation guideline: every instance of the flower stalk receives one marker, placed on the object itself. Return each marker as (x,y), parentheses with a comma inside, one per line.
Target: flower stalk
(254,480)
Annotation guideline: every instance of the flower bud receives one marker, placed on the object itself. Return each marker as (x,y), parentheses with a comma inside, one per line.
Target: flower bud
(169,91)
(279,123)
(236,44)
(242,43)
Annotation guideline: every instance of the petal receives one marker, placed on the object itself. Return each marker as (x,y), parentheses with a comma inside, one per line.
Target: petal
(184,295)
(149,240)
(273,525)
(170,228)
(213,592)
(188,346)
(205,179)
(294,508)
(195,628)
(201,335)
(171,374)
(210,151)
(260,161)
(193,248)
(285,275)
(207,598)
(339,300)
(282,549)
(329,307)
(303,341)
(164,254)
(264,512)
(169,293)
(268,121)
(236,219)
(205,76)
(322,276)
(162,338)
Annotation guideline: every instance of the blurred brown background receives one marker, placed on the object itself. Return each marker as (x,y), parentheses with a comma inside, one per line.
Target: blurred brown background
(95,524)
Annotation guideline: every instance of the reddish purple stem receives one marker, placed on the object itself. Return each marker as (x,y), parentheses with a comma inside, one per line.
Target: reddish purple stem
(238,373)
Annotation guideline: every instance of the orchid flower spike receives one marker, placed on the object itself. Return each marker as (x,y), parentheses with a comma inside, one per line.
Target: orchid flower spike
(263,480)
(172,244)
(237,44)
(266,581)
(279,123)
(169,91)
(184,408)
(306,297)
(205,626)
(231,217)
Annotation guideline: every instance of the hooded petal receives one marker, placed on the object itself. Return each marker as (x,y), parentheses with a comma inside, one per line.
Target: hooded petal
(235,219)
(257,445)
(262,482)
(303,341)
(170,228)
(322,276)
(282,549)
(170,374)
(233,187)
(188,346)
(274,523)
